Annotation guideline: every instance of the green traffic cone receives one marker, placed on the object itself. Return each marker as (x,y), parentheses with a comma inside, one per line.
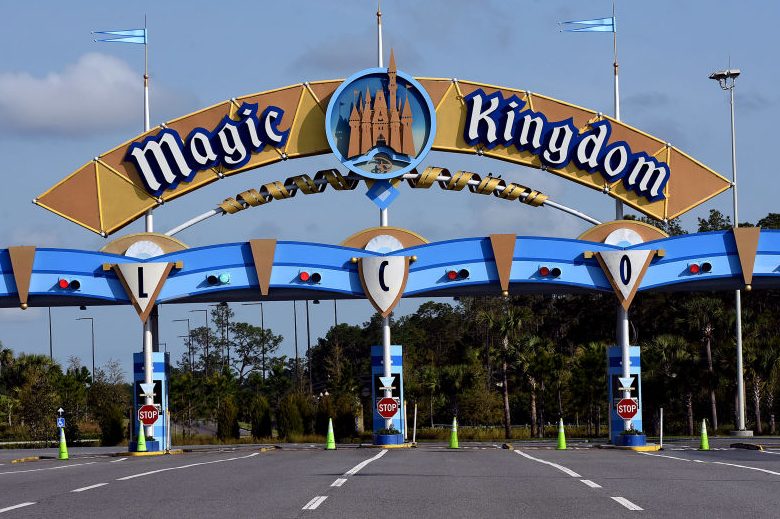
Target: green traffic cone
(63,446)
(140,445)
(330,441)
(561,437)
(705,442)
(454,435)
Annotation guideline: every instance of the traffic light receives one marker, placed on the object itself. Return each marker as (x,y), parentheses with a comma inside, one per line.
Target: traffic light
(454,275)
(699,268)
(547,272)
(69,284)
(221,278)
(306,277)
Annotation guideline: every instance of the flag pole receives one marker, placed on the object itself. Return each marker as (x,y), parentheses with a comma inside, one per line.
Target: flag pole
(149,218)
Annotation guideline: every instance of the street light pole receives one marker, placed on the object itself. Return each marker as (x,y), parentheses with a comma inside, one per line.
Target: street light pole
(295,333)
(262,327)
(51,339)
(727,80)
(189,341)
(206,362)
(92,326)
(308,346)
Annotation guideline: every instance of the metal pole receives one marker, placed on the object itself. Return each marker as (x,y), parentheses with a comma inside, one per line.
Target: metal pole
(414,430)
(661,439)
(335,313)
(738,293)
(92,325)
(262,327)
(51,339)
(308,346)
(295,333)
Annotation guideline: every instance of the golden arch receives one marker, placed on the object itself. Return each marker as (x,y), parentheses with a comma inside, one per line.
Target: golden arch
(107,193)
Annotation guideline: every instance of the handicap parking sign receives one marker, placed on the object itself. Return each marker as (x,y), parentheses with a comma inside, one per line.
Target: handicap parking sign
(60,422)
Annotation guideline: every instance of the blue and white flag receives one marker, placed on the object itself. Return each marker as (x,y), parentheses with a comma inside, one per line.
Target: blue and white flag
(129,36)
(592,25)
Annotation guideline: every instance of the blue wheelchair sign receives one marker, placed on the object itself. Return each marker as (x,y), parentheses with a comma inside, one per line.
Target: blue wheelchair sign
(60,422)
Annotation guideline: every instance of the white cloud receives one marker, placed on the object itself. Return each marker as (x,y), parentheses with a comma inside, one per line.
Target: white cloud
(97,93)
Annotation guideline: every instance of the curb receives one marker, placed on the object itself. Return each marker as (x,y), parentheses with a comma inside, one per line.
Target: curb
(393,446)
(644,448)
(747,446)
(149,453)
(32,458)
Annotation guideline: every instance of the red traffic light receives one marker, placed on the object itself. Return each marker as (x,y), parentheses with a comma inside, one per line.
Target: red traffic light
(453,275)
(305,277)
(698,268)
(545,271)
(73,284)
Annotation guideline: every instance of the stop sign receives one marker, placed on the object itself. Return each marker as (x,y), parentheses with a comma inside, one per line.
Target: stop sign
(387,407)
(627,408)
(148,414)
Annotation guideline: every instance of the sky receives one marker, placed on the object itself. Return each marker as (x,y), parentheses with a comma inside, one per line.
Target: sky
(65,99)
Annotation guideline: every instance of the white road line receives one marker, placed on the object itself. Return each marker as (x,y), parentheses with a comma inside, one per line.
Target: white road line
(186,466)
(48,468)
(746,467)
(120,459)
(590,483)
(20,505)
(628,504)
(357,468)
(765,452)
(314,503)
(82,489)
(338,482)
(555,465)
(665,456)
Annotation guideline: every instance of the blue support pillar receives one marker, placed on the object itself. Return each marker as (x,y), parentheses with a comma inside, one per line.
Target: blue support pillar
(160,374)
(614,371)
(377,370)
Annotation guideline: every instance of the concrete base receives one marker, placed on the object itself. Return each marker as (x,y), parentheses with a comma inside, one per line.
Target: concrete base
(745,433)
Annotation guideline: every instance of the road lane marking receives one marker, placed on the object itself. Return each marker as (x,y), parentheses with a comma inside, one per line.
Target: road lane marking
(590,483)
(628,504)
(142,474)
(20,505)
(314,503)
(120,459)
(48,468)
(82,489)
(746,467)
(665,456)
(338,482)
(555,465)
(357,468)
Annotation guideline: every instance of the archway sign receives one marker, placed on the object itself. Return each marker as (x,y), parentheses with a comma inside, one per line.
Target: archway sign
(380,124)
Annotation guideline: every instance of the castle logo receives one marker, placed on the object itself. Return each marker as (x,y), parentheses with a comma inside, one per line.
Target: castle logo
(380,122)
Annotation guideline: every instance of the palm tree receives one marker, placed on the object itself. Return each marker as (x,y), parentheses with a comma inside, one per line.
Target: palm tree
(533,358)
(702,316)
(674,363)
(506,324)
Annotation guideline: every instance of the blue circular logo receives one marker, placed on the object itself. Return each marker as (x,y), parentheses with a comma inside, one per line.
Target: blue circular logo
(380,123)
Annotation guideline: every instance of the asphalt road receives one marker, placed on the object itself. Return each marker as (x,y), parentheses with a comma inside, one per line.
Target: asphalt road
(430,481)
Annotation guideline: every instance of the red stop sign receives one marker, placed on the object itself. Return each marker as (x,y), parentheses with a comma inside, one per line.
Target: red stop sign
(627,408)
(387,407)
(148,414)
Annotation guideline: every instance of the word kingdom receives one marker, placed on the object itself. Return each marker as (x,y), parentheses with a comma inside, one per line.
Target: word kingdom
(163,160)
(493,120)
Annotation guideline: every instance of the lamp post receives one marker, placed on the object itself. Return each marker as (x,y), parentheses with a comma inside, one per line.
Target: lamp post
(262,327)
(225,330)
(92,326)
(295,333)
(206,316)
(727,79)
(51,339)
(189,341)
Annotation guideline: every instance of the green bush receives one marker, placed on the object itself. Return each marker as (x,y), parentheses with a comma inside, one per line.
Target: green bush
(111,422)
(288,418)
(260,417)
(323,414)
(227,421)
(344,416)
(307,411)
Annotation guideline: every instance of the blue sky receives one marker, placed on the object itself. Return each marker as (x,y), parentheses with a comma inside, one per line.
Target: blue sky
(65,99)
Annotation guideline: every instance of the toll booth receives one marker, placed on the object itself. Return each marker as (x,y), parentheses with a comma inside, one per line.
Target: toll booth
(614,372)
(161,365)
(377,370)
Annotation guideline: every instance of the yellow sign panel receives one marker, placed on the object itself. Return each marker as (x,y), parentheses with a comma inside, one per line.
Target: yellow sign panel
(169,161)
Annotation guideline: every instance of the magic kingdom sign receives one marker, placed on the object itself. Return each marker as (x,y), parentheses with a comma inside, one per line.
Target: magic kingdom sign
(380,124)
